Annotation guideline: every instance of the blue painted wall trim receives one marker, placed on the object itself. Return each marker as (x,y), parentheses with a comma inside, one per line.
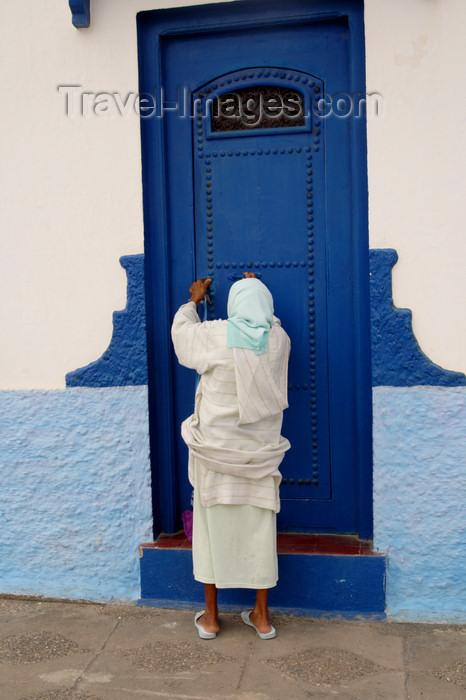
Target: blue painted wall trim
(397,359)
(308,584)
(124,363)
(80,13)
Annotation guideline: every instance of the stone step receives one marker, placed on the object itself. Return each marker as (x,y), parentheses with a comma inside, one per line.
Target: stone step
(320,575)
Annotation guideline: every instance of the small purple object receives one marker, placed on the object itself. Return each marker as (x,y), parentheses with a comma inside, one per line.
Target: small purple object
(187,518)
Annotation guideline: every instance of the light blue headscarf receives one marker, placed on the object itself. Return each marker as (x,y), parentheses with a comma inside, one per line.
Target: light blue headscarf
(250,315)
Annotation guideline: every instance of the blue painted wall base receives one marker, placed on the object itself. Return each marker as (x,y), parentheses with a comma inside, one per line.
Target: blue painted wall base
(314,585)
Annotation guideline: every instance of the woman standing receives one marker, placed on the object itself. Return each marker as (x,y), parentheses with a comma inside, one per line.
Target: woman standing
(235,445)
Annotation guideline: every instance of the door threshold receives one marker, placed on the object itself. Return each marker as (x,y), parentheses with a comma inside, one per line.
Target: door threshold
(287,543)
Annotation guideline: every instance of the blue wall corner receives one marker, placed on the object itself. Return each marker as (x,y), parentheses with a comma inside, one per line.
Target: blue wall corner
(80,13)
(124,363)
(397,359)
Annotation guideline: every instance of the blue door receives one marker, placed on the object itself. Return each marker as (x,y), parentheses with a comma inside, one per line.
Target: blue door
(243,172)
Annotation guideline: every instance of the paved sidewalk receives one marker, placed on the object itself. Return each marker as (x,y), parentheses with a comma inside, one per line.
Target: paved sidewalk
(62,650)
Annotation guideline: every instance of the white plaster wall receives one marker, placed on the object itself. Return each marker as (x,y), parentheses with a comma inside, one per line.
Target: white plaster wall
(72,201)
(415,54)
(71,188)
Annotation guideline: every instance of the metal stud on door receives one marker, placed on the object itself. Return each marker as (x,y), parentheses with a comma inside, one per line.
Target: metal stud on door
(245,185)
(259,181)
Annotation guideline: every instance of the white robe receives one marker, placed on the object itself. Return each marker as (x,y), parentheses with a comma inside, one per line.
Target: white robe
(233,466)
(238,461)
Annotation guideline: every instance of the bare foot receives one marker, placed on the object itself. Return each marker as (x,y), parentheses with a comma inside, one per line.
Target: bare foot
(261,621)
(209,623)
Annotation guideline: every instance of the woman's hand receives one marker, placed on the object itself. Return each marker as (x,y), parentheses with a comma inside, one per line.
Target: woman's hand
(249,275)
(199,289)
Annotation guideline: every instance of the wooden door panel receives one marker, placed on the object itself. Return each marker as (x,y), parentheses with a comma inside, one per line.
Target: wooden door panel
(282,204)
(259,206)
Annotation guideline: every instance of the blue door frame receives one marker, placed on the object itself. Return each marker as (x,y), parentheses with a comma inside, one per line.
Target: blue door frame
(171,257)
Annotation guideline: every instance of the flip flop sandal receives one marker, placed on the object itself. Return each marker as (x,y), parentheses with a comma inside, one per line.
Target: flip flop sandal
(262,635)
(202,633)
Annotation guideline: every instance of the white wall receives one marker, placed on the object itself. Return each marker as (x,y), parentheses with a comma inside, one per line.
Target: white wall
(415,54)
(72,187)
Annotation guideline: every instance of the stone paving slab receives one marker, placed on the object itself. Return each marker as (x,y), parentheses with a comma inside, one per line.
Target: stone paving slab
(77,651)
(437,660)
